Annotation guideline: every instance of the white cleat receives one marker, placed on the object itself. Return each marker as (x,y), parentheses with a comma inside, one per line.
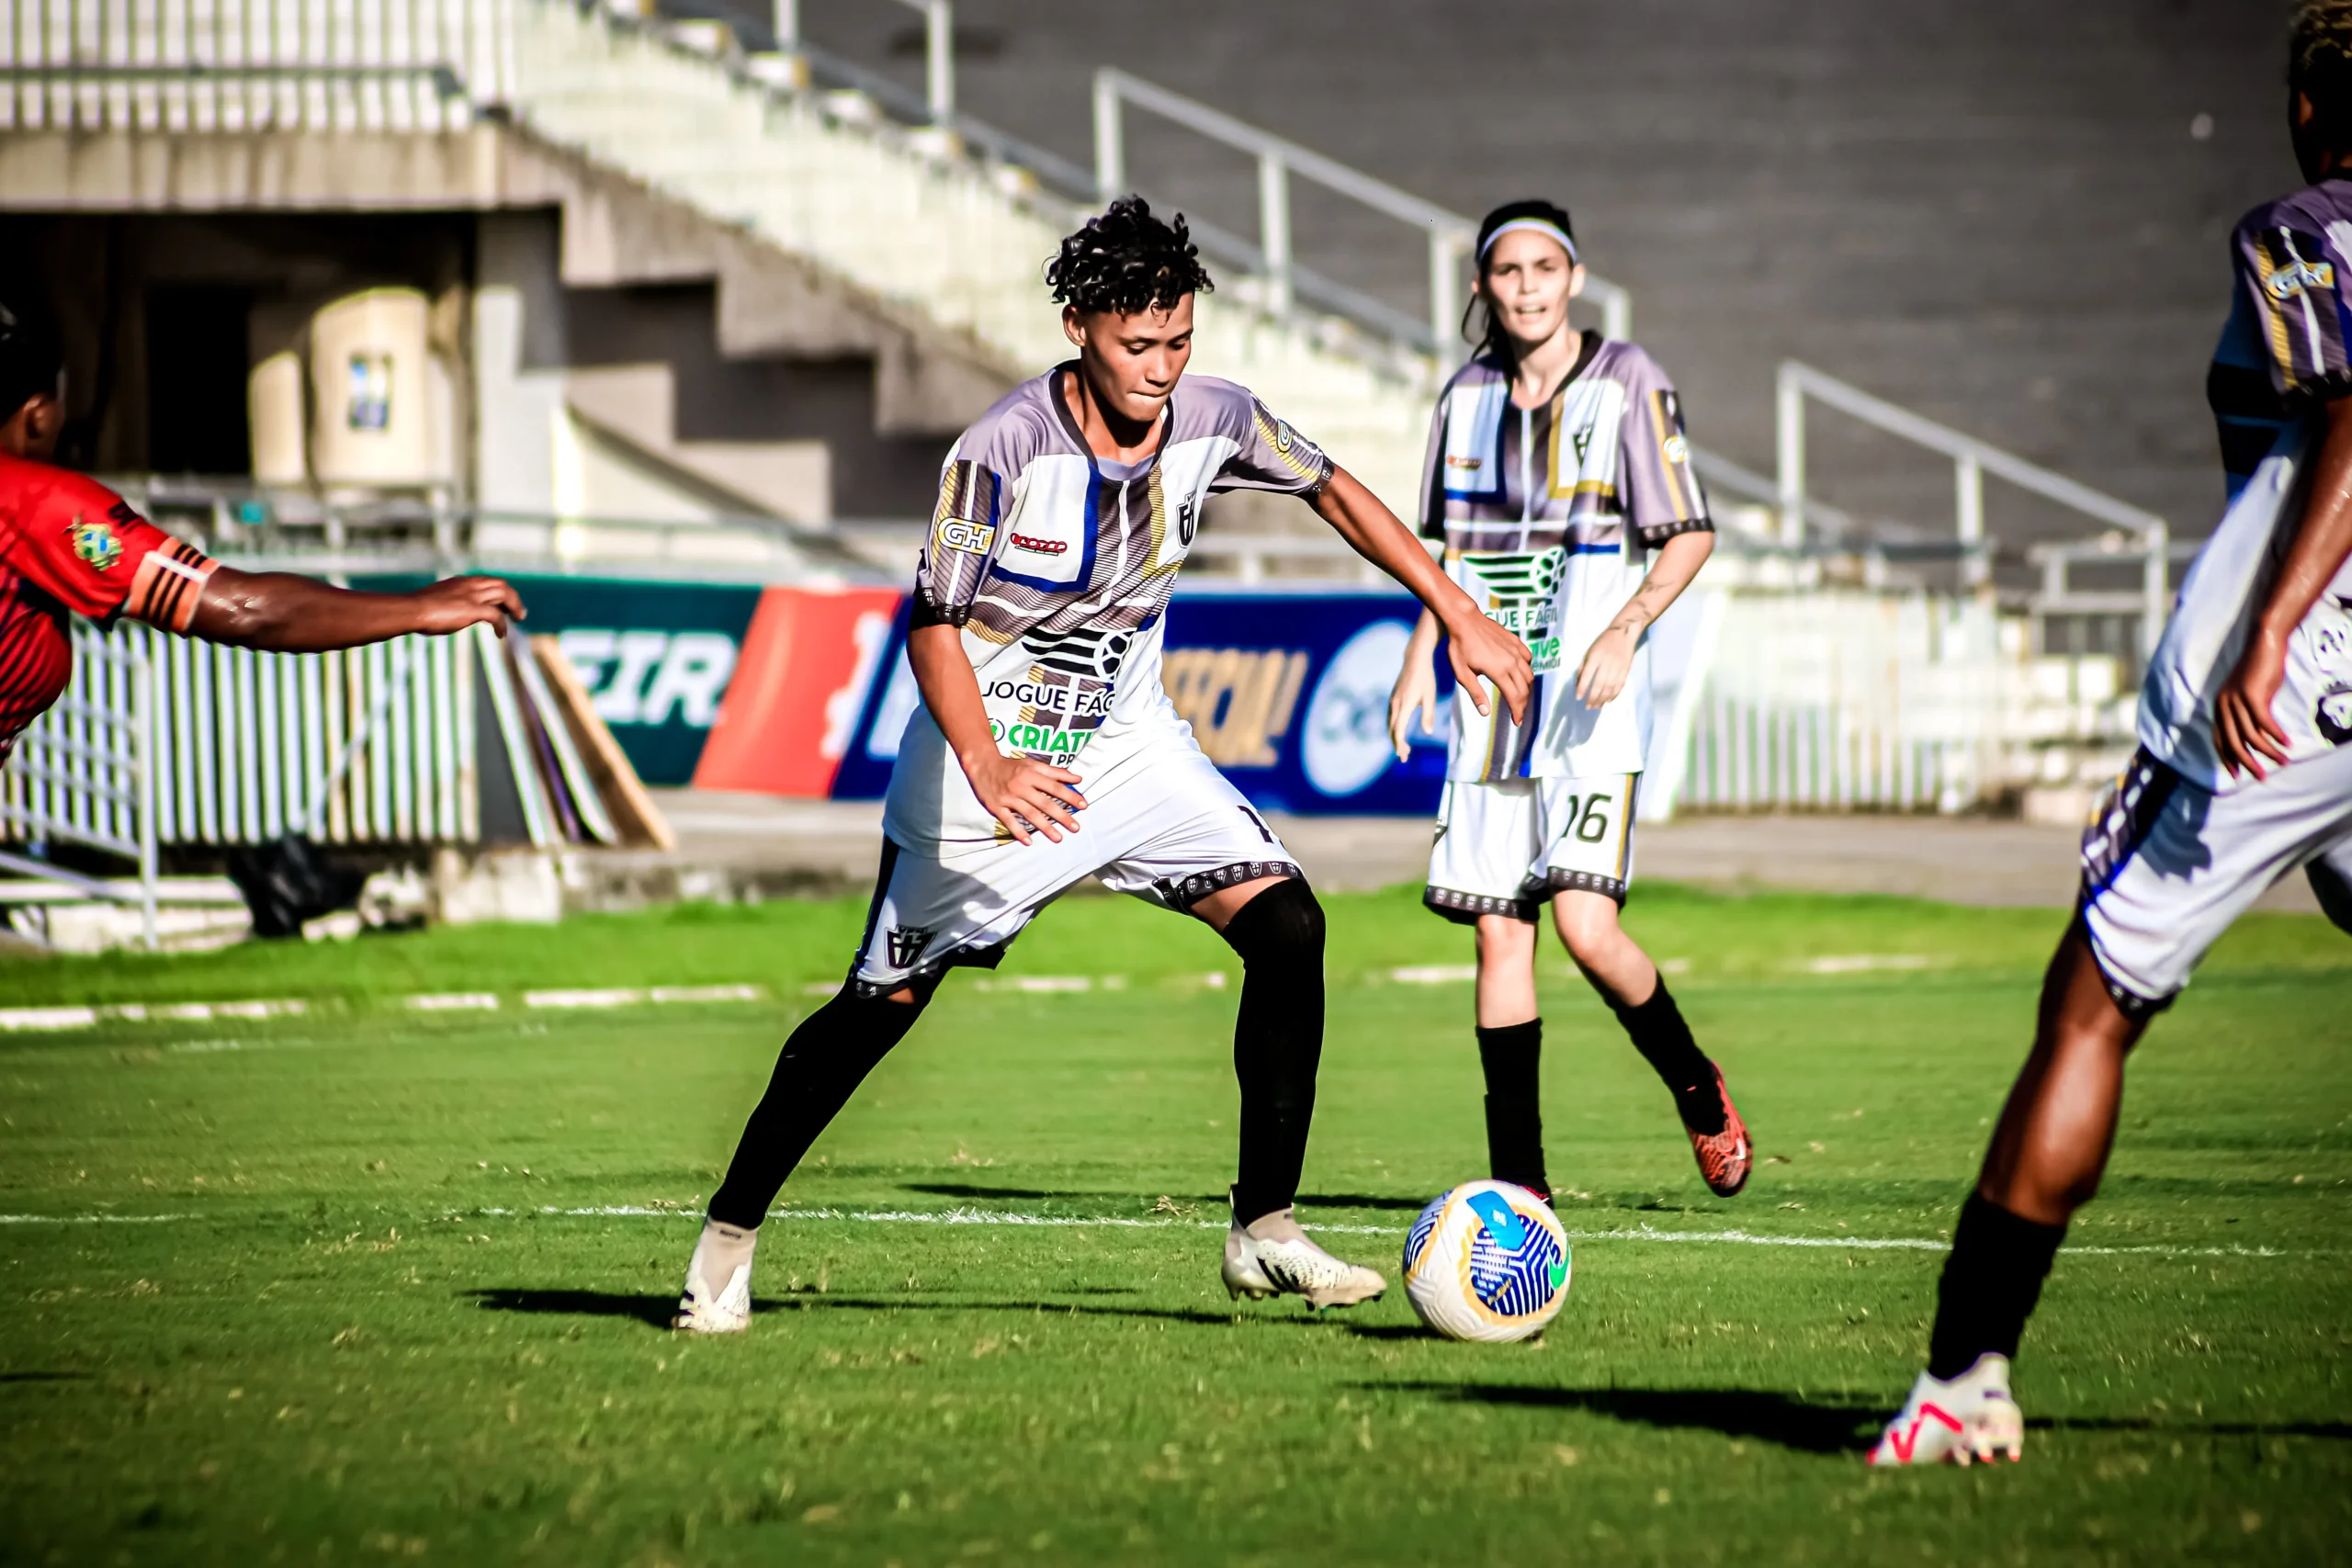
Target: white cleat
(1272,1257)
(701,1309)
(1969,1418)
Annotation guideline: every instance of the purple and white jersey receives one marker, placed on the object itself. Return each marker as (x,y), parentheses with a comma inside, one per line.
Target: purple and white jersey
(2281,357)
(1548,516)
(1058,565)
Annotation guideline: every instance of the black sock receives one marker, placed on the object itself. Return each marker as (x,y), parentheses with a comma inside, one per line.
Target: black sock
(1990,1285)
(1510,1055)
(1664,1041)
(820,1066)
(1277,1041)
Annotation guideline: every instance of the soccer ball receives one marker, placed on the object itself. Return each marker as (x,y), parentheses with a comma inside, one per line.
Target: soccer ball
(1487,1261)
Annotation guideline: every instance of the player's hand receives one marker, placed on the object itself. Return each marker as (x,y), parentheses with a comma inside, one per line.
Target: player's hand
(1028,796)
(456,602)
(1414,694)
(1479,648)
(2243,731)
(1602,676)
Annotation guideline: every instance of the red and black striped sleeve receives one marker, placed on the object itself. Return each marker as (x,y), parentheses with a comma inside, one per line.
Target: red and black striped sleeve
(88,548)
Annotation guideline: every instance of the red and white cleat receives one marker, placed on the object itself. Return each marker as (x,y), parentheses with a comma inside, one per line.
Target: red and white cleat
(1969,1418)
(1725,1157)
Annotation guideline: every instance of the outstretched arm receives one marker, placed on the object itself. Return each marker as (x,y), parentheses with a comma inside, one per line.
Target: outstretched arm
(284,613)
(1603,674)
(1476,645)
(2244,731)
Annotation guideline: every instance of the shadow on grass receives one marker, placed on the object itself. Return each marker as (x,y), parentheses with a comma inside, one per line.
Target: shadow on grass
(656,1311)
(1213,1202)
(44,1377)
(1808,1426)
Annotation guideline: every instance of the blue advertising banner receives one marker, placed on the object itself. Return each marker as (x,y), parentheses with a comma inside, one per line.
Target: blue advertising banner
(1287,692)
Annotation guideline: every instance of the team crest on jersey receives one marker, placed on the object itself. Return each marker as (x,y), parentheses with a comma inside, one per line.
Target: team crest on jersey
(2332,715)
(907,946)
(95,541)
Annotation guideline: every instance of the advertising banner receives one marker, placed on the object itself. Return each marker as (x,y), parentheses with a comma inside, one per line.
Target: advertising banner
(805,691)
(1286,691)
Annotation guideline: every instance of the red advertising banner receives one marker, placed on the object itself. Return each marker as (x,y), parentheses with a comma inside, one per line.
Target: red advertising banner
(792,710)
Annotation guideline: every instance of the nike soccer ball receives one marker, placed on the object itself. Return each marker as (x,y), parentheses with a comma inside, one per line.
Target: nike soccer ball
(1487,1261)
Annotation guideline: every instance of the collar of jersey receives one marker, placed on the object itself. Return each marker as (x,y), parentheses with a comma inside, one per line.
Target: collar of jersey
(1107,466)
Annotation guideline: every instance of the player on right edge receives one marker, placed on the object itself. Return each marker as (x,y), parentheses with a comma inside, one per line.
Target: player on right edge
(2243,773)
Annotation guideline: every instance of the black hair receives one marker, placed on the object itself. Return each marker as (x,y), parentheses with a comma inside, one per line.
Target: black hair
(2319,66)
(31,352)
(1492,338)
(1126,262)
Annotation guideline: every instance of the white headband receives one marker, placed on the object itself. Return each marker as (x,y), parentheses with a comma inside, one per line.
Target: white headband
(1542,226)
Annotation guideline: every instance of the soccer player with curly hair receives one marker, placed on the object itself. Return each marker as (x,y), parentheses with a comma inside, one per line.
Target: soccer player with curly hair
(2243,773)
(1045,750)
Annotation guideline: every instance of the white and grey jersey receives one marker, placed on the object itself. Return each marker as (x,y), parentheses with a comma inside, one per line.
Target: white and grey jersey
(1058,565)
(1548,516)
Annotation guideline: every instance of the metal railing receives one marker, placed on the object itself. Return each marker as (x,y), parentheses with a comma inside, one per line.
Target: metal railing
(938,52)
(1972,460)
(238,65)
(252,747)
(79,773)
(1448,235)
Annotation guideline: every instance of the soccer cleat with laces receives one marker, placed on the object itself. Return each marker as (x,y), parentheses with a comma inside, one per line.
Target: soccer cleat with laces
(1271,1255)
(1725,1157)
(703,1309)
(1969,1418)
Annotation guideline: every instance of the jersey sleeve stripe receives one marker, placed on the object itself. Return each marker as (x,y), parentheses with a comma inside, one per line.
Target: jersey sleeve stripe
(168,585)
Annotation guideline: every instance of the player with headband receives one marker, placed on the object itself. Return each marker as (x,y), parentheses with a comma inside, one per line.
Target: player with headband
(1559,482)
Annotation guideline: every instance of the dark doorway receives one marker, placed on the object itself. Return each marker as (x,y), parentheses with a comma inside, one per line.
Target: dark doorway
(196,381)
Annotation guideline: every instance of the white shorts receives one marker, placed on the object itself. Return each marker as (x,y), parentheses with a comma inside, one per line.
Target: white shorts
(1164,825)
(1505,847)
(2167,864)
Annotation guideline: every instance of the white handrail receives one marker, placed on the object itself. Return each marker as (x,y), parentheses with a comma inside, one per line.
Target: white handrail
(1972,460)
(938,51)
(1448,234)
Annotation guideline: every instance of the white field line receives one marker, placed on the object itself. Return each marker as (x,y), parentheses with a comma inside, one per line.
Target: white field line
(13,1020)
(1867,963)
(1434,974)
(1118,1222)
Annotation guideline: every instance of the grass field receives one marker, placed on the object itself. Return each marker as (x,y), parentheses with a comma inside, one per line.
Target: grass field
(373,1284)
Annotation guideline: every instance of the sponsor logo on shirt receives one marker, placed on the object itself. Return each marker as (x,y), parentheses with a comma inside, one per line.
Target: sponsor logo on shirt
(1040,547)
(95,541)
(2297,275)
(1081,701)
(1041,742)
(906,945)
(1458,460)
(963,534)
